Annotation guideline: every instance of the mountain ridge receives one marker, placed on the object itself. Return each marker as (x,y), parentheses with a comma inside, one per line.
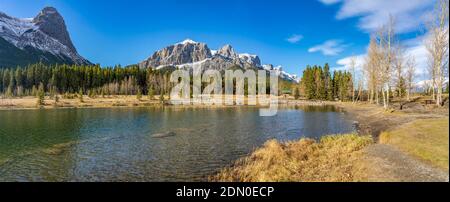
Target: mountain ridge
(186,54)
(43,38)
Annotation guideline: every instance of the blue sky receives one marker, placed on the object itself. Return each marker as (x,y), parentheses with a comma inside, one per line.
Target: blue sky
(283,32)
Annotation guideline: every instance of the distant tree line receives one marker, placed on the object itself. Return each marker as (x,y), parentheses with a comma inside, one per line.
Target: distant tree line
(318,83)
(75,79)
(93,80)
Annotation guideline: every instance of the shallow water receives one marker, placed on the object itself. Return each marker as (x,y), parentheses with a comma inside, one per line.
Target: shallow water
(120,144)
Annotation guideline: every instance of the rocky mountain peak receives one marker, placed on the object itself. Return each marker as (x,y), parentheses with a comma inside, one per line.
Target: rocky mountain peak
(3,15)
(49,10)
(184,52)
(189,54)
(227,51)
(251,59)
(187,41)
(52,23)
(43,38)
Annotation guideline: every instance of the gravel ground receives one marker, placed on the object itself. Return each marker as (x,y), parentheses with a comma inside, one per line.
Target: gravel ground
(388,164)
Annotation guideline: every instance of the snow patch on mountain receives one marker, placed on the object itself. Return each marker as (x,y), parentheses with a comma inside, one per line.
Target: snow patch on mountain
(25,32)
(424,84)
(249,58)
(189,55)
(13,28)
(192,65)
(187,41)
(283,74)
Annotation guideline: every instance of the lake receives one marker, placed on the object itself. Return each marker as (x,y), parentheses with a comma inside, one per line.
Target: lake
(119,145)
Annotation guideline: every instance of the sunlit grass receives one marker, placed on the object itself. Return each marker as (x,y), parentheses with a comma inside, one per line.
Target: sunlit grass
(427,139)
(333,158)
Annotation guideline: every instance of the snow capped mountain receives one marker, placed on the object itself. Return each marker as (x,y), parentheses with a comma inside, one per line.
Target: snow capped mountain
(187,41)
(426,84)
(12,28)
(192,65)
(228,52)
(190,54)
(284,75)
(41,39)
(184,52)
(252,59)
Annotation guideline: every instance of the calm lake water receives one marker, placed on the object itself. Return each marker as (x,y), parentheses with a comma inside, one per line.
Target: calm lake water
(117,144)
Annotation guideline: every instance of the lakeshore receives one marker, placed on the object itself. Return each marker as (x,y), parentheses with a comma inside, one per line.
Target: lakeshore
(376,152)
(30,102)
(405,146)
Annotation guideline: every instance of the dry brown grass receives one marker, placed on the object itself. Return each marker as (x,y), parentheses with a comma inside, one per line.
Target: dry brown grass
(98,102)
(332,159)
(29,102)
(427,139)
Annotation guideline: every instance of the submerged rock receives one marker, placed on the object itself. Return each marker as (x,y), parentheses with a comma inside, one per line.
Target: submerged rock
(53,151)
(163,135)
(356,127)
(59,149)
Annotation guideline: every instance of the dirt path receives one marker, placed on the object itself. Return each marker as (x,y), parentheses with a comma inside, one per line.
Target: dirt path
(388,164)
(373,119)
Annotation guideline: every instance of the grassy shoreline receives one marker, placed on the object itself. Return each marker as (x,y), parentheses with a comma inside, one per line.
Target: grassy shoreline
(343,158)
(30,103)
(331,159)
(426,139)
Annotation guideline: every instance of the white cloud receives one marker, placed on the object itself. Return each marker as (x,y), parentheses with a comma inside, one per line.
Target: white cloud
(420,54)
(408,14)
(295,38)
(345,63)
(413,48)
(329,48)
(329,2)
(416,48)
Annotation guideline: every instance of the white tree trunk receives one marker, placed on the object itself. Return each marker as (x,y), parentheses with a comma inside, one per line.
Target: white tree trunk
(407,94)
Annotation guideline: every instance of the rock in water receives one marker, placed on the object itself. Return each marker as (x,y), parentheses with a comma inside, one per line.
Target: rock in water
(163,135)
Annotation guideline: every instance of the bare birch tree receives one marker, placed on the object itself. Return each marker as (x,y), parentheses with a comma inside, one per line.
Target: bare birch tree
(399,69)
(372,67)
(410,74)
(386,43)
(353,71)
(360,86)
(438,46)
(432,83)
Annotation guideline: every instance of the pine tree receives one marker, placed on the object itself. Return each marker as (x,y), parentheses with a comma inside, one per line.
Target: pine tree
(34,91)
(161,98)
(401,87)
(151,93)
(80,96)
(328,83)
(41,95)
(56,100)
(296,94)
(9,92)
(139,94)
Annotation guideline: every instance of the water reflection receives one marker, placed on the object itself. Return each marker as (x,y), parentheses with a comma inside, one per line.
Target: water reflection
(117,144)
